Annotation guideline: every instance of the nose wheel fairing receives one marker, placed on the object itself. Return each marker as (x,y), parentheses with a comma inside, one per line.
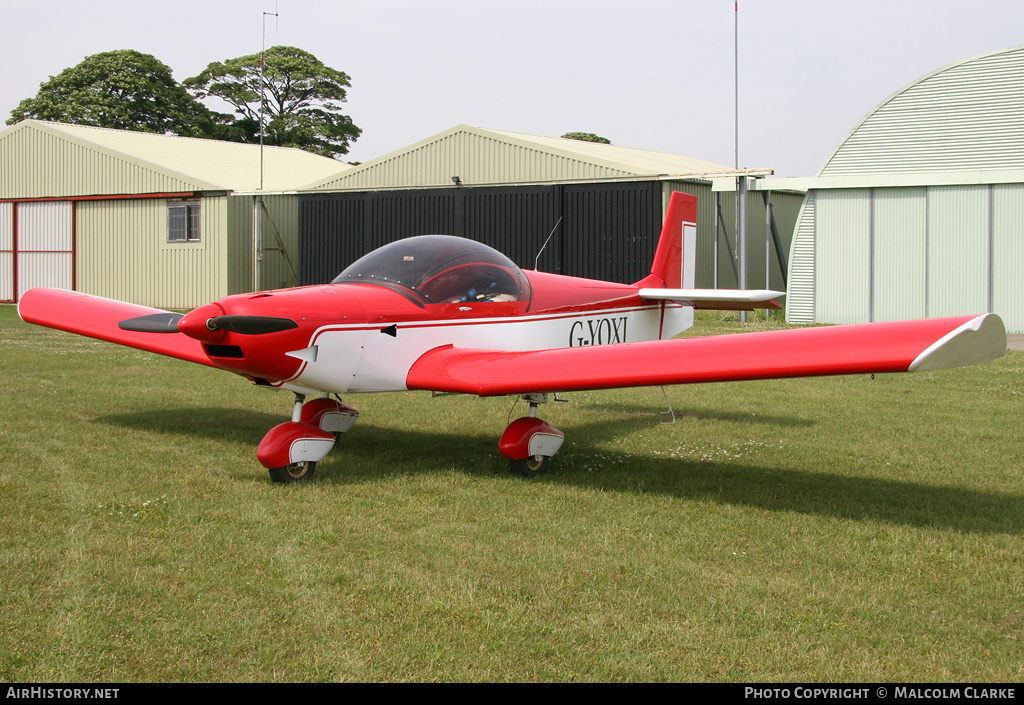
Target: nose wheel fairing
(291,450)
(529,442)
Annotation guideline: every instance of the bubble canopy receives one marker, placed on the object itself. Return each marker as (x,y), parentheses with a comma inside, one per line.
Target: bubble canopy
(441,269)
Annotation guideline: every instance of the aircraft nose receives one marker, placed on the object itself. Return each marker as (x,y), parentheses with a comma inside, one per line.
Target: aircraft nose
(194,324)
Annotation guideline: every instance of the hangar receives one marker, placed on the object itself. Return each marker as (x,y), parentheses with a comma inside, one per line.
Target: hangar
(561,205)
(163,221)
(919,212)
(177,222)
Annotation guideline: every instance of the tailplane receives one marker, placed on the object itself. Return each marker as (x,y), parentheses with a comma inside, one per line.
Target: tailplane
(675,262)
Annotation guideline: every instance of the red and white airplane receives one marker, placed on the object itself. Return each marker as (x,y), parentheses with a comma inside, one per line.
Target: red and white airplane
(450,315)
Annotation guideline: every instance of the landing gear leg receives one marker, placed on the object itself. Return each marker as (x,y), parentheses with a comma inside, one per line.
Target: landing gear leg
(529,442)
(291,450)
(329,415)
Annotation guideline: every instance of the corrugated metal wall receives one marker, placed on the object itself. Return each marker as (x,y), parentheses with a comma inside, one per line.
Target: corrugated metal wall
(959,250)
(785,207)
(273,268)
(800,290)
(240,240)
(123,254)
(610,230)
(274,272)
(332,234)
(604,230)
(476,159)
(844,265)
(1008,254)
(900,253)
(85,170)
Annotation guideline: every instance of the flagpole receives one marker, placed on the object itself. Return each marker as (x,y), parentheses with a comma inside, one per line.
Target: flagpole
(741,181)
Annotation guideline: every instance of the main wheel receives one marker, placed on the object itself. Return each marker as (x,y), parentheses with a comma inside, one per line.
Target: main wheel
(296,472)
(533,465)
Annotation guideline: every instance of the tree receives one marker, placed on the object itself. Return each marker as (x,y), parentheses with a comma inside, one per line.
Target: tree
(122,89)
(586,137)
(303,98)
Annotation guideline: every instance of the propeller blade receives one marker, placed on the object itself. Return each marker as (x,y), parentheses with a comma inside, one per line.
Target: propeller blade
(250,325)
(153,323)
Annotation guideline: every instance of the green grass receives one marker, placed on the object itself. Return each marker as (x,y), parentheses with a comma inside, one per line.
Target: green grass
(840,529)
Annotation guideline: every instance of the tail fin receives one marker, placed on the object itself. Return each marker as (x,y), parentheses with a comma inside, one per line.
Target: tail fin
(675,263)
(675,260)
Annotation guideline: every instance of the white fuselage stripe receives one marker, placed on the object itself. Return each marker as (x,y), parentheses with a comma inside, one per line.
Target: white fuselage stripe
(363,358)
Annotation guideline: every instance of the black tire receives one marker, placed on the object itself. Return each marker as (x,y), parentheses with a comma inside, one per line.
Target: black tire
(527,467)
(296,472)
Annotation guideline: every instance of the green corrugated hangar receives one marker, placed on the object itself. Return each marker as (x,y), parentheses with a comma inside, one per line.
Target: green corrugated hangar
(153,219)
(514,190)
(920,210)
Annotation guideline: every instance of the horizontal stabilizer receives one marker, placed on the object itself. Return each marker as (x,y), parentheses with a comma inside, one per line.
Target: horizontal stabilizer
(717,299)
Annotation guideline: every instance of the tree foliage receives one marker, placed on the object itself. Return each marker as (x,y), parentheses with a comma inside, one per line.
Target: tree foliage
(122,89)
(586,137)
(303,99)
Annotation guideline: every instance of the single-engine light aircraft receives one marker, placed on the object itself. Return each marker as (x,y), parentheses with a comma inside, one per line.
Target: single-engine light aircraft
(450,315)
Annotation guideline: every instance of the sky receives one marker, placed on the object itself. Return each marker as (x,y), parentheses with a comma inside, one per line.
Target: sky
(650,74)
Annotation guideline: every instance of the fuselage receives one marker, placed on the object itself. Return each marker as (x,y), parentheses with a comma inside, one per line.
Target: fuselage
(357,337)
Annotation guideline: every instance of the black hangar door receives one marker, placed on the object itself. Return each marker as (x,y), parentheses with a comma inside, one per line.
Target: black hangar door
(611,230)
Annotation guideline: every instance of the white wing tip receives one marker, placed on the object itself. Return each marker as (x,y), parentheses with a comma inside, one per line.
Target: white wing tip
(979,340)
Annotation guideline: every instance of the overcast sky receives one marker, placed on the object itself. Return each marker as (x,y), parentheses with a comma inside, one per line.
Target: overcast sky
(651,74)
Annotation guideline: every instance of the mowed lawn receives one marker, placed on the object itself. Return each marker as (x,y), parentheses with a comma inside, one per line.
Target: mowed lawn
(838,529)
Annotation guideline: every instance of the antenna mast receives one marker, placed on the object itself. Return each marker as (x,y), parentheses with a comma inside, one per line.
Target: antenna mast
(257,220)
(263,93)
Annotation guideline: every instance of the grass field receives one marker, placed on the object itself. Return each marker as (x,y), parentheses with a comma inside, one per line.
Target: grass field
(839,529)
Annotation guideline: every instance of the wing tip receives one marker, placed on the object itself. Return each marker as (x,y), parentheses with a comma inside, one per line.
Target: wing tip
(981,339)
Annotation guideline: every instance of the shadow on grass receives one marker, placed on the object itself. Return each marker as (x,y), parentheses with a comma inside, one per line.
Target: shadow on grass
(641,411)
(370,452)
(227,424)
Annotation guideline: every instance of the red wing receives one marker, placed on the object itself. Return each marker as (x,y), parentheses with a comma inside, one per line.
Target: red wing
(872,347)
(97,317)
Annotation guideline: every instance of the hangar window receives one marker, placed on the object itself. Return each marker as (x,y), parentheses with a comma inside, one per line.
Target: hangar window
(183,219)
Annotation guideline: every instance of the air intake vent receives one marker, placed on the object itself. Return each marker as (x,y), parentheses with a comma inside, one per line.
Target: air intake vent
(224,351)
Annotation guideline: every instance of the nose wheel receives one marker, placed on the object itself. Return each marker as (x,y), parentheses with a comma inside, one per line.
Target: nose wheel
(534,465)
(291,450)
(529,442)
(293,472)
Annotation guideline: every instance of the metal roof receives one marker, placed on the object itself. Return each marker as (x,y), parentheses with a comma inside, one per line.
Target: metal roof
(47,159)
(481,156)
(641,162)
(968,116)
